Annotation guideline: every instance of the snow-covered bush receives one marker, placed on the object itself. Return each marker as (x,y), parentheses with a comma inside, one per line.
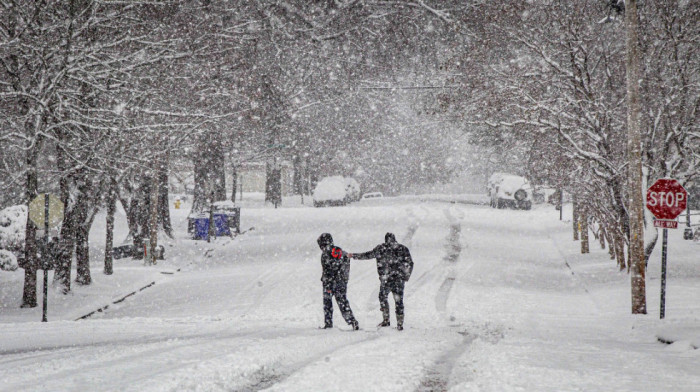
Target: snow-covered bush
(13,222)
(352,189)
(8,260)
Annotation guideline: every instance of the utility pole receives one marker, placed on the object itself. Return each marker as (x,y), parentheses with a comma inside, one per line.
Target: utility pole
(634,172)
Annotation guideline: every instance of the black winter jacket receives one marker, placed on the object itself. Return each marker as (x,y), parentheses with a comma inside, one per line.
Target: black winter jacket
(393,260)
(335,264)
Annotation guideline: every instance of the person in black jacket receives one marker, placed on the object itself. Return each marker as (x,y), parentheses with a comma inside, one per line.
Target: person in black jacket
(394,266)
(336,272)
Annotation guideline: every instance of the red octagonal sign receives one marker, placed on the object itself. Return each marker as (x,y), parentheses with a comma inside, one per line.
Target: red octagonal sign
(666,199)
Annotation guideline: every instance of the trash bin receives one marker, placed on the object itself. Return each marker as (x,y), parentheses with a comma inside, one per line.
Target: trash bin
(201,229)
(227,221)
(233,214)
(221,226)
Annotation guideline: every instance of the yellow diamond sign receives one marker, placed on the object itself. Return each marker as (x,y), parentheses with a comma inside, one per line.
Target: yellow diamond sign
(37,210)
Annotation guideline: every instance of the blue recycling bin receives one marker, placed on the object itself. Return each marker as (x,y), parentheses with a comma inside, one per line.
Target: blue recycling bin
(221,228)
(221,225)
(201,228)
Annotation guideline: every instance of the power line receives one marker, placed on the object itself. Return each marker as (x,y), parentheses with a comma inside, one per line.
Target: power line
(408,88)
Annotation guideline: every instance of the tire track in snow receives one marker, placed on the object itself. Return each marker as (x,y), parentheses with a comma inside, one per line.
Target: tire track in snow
(211,345)
(575,277)
(268,377)
(176,343)
(437,377)
(130,341)
(453,251)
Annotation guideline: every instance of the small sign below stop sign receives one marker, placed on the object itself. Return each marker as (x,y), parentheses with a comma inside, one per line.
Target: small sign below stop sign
(666,199)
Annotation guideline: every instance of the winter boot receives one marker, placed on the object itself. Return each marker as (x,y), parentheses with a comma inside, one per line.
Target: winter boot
(399,322)
(328,326)
(355,325)
(385,322)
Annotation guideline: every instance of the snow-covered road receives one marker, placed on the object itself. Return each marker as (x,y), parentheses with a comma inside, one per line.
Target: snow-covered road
(491,306)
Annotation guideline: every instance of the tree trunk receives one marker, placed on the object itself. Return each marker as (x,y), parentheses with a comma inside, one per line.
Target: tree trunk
(13,29)
(220,183)
(636,208)
(66,243)
(234,182)
(199,199)
(143,214)
(298,179)
(574,220)
(620,251)
(64,259)
(273,184)
(109,240)
(163,200)
(153,216)
(209,174)
(30,246)
(85,210)
(153,232)
(611,243)
(583,220)
(30,267)
(132,215)
(82,253)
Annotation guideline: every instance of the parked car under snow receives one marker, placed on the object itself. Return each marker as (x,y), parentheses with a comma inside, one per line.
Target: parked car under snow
(336,191)
(330,191)
(509,191)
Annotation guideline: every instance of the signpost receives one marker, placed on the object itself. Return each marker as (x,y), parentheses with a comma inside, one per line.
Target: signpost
(46,211)
(666,199)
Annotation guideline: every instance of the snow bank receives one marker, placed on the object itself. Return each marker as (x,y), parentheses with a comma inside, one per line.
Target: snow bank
(681,334)
(465,198)
(225,204)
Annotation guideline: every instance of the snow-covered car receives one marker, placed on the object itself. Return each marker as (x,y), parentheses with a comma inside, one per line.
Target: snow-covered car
(509,191)
(372,195)
(352,189)
(330,191)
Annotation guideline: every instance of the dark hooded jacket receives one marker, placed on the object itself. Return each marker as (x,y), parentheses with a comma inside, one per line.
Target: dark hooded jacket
(334,261)
(393,259)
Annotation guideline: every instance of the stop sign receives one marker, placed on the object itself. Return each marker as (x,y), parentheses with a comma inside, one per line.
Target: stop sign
(666,199)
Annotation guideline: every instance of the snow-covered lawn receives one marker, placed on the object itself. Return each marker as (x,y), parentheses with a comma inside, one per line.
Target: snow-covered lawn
(499,300)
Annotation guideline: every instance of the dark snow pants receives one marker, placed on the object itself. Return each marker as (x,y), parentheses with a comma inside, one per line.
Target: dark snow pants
(339,290)
(395,286)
